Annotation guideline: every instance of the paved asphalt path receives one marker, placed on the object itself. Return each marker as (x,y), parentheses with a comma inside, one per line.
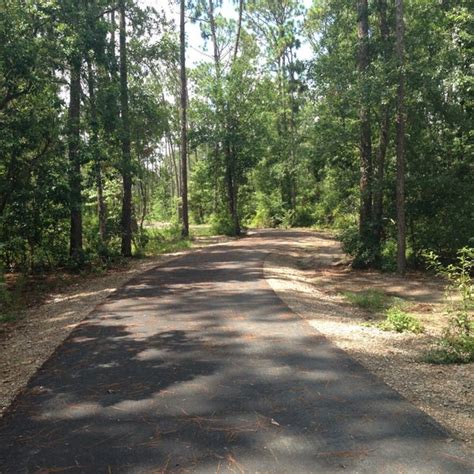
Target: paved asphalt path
(197,366)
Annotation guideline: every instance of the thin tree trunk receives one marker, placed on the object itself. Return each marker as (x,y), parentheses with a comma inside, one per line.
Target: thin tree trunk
(75,185)
(231,186)
(365,216)
(101,209)
(184,137)
(239,30)
(380,173)
(126,165)
(400,138)
(384,129)
(212,22)
(174,166)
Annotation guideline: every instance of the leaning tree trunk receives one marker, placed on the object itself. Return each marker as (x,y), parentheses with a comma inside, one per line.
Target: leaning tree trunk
(400,138)
(184,134)
(75,191)
(365,214)
(126,165)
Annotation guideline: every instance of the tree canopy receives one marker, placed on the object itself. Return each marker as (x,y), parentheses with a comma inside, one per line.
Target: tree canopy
(370,134)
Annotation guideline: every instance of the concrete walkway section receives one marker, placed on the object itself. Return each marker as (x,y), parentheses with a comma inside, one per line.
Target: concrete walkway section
(197,366)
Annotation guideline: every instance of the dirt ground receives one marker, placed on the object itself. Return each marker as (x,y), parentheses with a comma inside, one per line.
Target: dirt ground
(30,340)
(310,279)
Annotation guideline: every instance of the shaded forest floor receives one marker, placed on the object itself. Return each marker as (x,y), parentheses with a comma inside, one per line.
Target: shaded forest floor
(52,305)
(312,279)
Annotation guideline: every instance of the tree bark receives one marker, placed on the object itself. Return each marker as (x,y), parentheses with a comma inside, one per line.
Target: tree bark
(212,22)
(101,209)
(400,137)
(231,185)
(75,182)
(365,215)
(239,29)
(384,128)
(126,165)
(184,131)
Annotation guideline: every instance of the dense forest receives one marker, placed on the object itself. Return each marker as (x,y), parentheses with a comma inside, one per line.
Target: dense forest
(105,132)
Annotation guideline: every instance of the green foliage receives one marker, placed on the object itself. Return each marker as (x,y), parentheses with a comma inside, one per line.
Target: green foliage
(268,210)
(452,349)
(201,230)
(439,183)
(400,321)
(156,241)
(363,256)
(5,299)
(457,343)
(221,224)
(273,141)
(376,301)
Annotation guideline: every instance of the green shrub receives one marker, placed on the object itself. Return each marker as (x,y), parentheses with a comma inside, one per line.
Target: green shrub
(221,224)
(400,321)
(363,256)
(388,256)
(303,216)
(157,241)
(452,350)
(268,210)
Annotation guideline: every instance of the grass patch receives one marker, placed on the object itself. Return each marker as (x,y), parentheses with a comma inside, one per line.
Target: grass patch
(7,316)
(399,321)
(151,242)
(201,230)
(369,300)
(377,302)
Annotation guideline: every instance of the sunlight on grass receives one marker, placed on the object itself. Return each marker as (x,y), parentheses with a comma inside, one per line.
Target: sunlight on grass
(201,230)
(369,300)
(377,302)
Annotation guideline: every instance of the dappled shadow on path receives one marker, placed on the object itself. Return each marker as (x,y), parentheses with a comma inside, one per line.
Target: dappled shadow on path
(198,367)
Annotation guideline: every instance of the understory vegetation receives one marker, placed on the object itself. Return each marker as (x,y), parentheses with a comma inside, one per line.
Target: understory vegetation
(457,342)
(354,116)
(376,303)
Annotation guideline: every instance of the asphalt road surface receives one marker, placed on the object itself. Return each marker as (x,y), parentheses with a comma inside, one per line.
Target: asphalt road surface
(197,366)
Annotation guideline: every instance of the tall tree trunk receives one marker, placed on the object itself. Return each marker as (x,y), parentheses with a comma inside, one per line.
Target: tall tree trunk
(101,209)
(231,184)
(400,138)
(126,165)
(184,131)
(216,53)
(75,185)
(239,29)
(384,128)
(365,215)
